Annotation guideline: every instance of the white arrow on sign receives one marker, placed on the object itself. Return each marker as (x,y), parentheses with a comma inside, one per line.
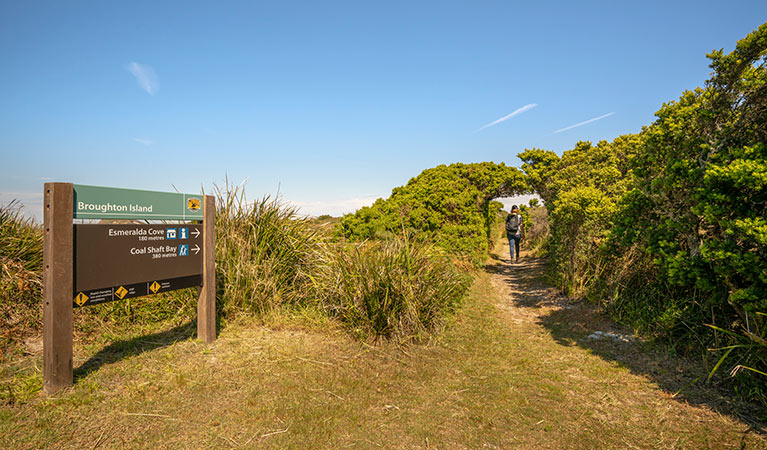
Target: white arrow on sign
(195,232)
(196,249)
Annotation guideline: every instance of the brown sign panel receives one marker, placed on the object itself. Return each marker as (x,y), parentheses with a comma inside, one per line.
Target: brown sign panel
(115,262)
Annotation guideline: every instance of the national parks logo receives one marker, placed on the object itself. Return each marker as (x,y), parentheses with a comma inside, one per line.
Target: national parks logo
(193,204)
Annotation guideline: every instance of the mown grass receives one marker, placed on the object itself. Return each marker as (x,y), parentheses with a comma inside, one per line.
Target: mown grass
(487,380)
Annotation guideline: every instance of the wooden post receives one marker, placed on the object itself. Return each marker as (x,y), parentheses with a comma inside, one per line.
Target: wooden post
(206,303)
(58,266)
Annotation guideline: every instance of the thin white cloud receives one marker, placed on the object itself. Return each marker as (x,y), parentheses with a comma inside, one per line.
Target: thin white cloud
(145,77)
(584,123)
(525,108)
(146,142)
(334,207)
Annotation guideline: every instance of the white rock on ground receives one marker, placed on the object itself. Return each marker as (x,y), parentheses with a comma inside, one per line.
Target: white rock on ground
(610,335)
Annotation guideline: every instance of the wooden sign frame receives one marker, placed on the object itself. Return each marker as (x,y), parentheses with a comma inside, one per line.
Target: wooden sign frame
(58,282)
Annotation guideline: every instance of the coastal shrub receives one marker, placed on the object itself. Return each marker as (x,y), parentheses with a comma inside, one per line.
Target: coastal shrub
(449,206)
(668,227)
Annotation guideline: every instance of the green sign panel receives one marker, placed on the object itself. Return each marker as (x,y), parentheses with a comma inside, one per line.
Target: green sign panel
(96,202)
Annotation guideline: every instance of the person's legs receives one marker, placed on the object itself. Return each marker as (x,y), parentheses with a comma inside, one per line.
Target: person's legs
(516,244)
(511,247)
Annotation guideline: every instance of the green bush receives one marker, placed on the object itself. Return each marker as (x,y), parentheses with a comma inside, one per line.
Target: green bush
(668,227)
(579,190)
(268,258)
(703,172)
(536,226)
(582,216)
(445,205)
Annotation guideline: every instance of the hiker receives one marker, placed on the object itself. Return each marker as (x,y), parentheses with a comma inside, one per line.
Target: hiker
(515,231)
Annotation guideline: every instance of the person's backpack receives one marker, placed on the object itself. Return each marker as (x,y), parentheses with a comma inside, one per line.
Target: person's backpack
(512,223)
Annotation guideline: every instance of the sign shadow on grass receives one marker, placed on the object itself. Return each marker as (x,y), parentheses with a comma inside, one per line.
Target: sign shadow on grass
(126,348)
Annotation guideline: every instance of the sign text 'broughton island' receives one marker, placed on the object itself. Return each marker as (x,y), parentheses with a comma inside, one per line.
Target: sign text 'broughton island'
(95,202)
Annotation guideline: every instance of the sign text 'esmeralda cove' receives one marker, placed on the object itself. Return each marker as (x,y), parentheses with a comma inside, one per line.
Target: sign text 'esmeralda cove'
(115,262)
(95,202)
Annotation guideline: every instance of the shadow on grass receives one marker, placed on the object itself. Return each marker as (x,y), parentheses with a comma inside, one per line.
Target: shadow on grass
(126,348)
(570,324)
(525,279)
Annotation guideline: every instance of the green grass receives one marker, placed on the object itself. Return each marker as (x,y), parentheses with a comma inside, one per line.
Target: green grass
(492,378)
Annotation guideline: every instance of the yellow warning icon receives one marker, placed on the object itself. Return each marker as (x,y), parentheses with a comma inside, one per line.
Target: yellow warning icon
(154,287)
(80,299)
(120,292)
(193,204)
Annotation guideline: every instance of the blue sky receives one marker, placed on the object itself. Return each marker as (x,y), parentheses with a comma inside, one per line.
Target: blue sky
(331,103)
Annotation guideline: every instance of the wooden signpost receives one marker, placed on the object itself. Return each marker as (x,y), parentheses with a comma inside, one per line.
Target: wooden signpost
(87,264)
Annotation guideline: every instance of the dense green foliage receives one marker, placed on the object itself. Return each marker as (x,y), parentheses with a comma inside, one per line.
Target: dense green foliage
(580,191)
(447,205)
(669,226)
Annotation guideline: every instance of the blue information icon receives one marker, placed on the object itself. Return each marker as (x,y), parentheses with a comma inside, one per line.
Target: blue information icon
(183,249)
(170,233)
(183,233)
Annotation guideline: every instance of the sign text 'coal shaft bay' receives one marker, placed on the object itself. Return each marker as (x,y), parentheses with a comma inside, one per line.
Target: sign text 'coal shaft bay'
(95,202)
(115,258)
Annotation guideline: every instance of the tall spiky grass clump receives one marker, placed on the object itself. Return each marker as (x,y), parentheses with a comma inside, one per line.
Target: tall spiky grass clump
(262,252)
(387,289)
(21,263)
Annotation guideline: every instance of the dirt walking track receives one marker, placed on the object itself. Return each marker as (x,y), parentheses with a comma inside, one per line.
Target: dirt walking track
(613,380)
